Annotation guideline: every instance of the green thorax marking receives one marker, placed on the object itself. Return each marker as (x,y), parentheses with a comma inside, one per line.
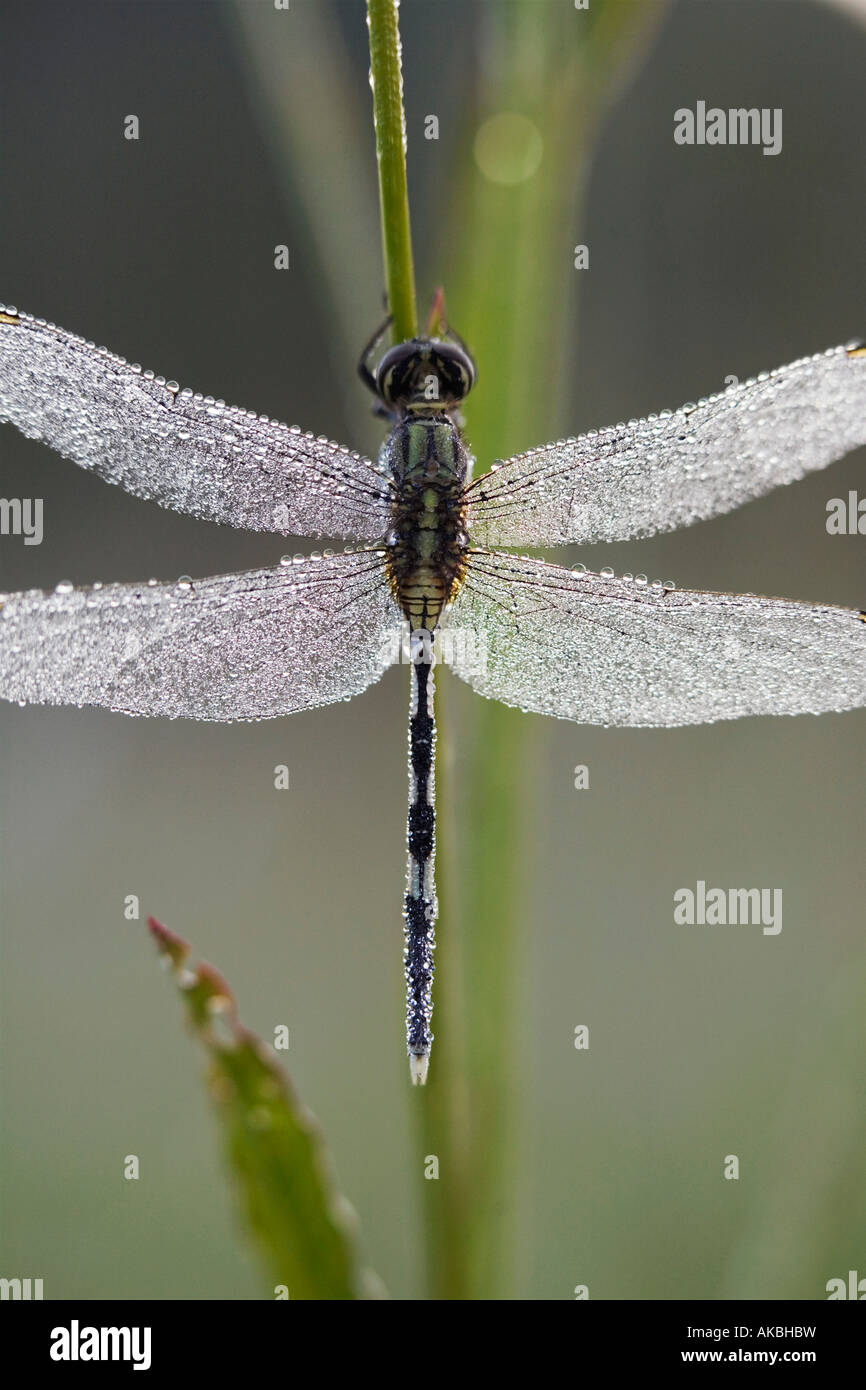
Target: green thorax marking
(426,542)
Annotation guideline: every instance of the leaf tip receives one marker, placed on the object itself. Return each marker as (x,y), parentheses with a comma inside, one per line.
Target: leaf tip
(172,948)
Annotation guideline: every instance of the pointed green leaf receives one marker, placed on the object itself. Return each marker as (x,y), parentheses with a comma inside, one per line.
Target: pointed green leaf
(303,1229)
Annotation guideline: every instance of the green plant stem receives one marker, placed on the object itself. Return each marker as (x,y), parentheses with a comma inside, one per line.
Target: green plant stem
(440,1135)
(387,82)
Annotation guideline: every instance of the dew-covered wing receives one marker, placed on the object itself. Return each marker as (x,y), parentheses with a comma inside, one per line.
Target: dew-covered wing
(238,646)
(184,451)
(612,651)
(681,466)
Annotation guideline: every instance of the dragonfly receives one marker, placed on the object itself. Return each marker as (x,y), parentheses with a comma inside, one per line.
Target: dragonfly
(432,556)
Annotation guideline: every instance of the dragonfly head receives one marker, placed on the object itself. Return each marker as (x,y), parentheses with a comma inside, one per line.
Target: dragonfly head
(425,373)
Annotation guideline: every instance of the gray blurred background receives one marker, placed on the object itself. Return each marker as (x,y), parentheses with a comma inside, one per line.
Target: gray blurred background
(703,1043)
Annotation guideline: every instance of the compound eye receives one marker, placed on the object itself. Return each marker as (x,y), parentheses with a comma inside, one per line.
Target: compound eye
(466,368)
(391,373)
(383,382)
(459,372)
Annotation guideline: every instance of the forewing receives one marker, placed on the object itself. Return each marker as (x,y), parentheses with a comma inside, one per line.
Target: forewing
(611,651)
(238,646)
(184,451)
(679,467)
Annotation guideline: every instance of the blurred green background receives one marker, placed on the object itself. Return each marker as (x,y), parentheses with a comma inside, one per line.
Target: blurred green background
(256,131)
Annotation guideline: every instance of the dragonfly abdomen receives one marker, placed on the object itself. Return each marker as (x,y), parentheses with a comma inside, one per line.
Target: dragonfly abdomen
(420,909)
(426,559)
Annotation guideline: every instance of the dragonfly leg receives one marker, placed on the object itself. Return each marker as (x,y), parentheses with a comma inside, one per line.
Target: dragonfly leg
(420,906)
(364,371)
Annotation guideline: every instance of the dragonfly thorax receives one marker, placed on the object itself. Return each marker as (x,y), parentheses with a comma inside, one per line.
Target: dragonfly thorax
(427,542)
